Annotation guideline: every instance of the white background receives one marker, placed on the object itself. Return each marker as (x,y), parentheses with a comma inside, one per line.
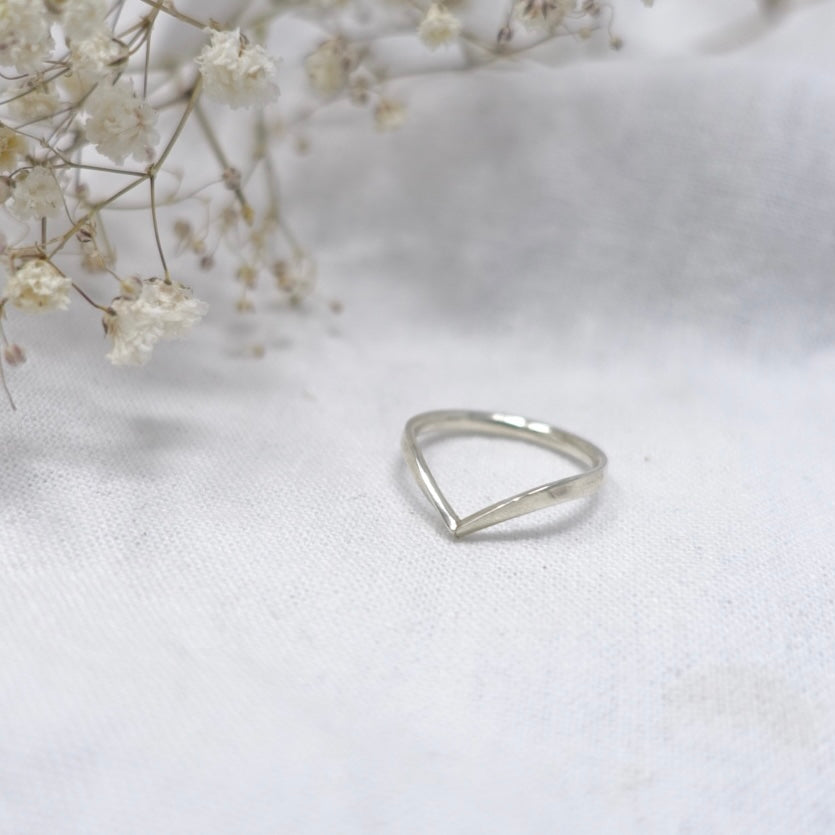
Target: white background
(224,607)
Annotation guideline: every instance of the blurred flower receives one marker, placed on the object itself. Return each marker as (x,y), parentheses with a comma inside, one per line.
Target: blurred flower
(13,354)
(545,15)
(12,147)
(297,276)
(220,176)
(29,102)
(81,19)
(36,194)
(92,60)
(328,66)
(25,41)
(389,115)
(120,124)
(439,26)
(236,72)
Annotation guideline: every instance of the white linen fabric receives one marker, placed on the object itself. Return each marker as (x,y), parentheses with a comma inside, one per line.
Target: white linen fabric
(225,607)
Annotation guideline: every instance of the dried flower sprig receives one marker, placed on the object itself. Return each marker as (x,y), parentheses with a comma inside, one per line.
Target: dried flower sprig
(89,115)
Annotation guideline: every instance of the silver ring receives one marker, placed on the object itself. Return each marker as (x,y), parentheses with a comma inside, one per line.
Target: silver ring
(578,450)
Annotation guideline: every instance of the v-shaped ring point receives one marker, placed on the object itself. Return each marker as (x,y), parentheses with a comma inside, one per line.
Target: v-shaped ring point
(585,454)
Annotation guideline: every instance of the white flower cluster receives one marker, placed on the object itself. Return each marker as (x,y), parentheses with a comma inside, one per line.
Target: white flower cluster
(328,66)
(296,276)
(155,309)
(25,39)
(236,72)
(12,148)
(36,194)
(85,88)
(120,124)
(389,115)
(32,101)
(37,287)
(93,60)
(81,19)
(439,26)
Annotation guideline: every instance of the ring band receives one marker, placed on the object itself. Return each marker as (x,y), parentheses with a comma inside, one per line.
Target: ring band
(580,451)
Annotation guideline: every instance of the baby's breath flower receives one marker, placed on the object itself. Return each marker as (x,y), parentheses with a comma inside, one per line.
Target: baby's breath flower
(175,305)
(93,259)
(37,287)
(14,354)
(60,107)
(389,115)
(247,274)
(25,41)
(36,194)
(231,178)
(236,72)
(544,15)
(92,60)
(439,26)
(99,53)
(159,309)
(132,332)
(12,147)
(30,102)
(358,91)
(83,18)
(328,67)
(121,124)
(297,276)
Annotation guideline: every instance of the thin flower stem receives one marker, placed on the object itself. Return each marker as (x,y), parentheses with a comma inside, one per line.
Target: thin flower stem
(184,18)
(43,82)
(116,11)
(263,153)
(147,56)
(5,386)
(214,144)
(2,369)
(211,136)
(86,167)
(88,299)
(193,97)
(171,200)
(152,181)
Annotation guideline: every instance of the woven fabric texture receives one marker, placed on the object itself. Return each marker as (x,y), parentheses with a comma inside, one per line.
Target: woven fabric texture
(224,605)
